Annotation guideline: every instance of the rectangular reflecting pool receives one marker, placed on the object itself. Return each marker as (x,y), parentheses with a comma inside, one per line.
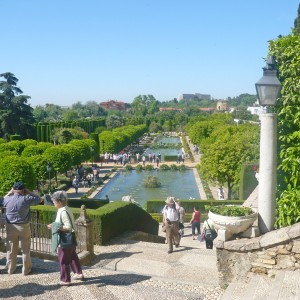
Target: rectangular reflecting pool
(172,141)
(180,184)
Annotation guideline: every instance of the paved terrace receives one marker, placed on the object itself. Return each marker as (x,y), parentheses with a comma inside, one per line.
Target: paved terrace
(125,269)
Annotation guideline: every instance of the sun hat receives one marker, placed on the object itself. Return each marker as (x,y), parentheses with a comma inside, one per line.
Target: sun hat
(19,186)
(170,200)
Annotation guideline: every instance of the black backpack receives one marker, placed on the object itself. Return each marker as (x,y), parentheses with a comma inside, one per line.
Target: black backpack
(210,234)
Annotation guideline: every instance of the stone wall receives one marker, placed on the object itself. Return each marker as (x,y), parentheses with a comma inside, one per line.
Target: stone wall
(275,250)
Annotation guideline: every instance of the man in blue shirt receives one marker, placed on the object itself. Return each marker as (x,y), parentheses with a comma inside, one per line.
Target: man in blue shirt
(17,202)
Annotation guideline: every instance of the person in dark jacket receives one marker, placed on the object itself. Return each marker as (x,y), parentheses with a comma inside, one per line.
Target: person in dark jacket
(17,202)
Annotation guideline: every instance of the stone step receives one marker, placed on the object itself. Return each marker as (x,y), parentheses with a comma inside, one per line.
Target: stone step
(257,287)
(185,264)
(285,285)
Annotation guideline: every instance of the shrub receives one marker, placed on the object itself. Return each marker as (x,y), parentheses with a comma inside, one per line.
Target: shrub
(173,167)
(181,168)
(139,167)
(151,182)
(230,210)
(128,168)
(149,168)
(288,208)
(164,167)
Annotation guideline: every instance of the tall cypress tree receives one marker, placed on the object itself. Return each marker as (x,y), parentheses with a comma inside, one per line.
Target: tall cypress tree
(297,21)
(16,116)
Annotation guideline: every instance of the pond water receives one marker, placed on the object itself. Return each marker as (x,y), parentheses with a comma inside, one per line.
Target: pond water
(165,151)
(168,140)
(180,184)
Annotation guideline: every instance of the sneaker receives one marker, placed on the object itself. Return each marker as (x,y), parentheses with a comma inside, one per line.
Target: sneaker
(170,251)
(78,277)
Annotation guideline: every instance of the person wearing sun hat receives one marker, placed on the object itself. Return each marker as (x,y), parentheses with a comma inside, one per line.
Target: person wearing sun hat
(17,202)
(171,221)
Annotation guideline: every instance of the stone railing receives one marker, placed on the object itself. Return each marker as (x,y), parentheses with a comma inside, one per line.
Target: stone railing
(275,250)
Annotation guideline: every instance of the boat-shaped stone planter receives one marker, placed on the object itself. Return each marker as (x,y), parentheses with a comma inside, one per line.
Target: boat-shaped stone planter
(228,226)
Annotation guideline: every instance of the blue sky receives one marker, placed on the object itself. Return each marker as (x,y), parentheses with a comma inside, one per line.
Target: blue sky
(65,51)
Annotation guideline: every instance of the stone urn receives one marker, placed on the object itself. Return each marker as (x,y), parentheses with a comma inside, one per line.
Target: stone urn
(227,226)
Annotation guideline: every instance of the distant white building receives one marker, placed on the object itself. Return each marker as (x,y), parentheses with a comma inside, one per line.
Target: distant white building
(193,96)
(256,110)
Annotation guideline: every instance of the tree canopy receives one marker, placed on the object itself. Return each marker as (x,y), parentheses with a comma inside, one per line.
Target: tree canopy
(286,51)
(16,115)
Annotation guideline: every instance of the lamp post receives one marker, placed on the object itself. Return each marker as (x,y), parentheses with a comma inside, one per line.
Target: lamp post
(268,90)
(92,151)
(49,169)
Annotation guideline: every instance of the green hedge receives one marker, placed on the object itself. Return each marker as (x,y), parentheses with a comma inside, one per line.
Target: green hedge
(89,203)
(110,220)
(159,217)
(156,206)
(248,181)
(117,217)
(170,158)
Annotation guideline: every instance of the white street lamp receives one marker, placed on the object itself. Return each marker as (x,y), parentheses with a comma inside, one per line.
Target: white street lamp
(268,90)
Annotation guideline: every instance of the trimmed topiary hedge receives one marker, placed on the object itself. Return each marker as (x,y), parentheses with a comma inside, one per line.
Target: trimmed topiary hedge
(248,181)
(170,158)
(155,207)
(109,220)
(89,203)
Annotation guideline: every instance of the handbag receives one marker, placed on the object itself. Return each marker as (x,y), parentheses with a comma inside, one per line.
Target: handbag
(163,227)
(210,234)
(67,238)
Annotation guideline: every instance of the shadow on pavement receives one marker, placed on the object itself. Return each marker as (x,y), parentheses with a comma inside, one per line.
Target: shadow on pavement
(113,255)
(27,290)
(118,279)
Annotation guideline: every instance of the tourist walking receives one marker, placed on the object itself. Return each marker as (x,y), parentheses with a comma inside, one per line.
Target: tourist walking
(178,158)
(209,233)
(76,184)
(157,161)
(171,223)
(195,221)
(144,160)
(67,256)
(17,202)
(181,214)
(159,156)
(220,193)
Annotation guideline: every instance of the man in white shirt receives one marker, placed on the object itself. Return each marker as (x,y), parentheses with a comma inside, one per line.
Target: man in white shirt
(171,221)
(220,193)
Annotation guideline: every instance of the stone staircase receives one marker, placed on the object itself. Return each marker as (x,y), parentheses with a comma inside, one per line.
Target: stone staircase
(285,285)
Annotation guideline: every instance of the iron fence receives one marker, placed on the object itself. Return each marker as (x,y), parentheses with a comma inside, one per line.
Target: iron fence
(41,236)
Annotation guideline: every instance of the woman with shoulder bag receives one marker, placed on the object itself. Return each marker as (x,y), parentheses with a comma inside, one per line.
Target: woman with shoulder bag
(209,233)
(66,250)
